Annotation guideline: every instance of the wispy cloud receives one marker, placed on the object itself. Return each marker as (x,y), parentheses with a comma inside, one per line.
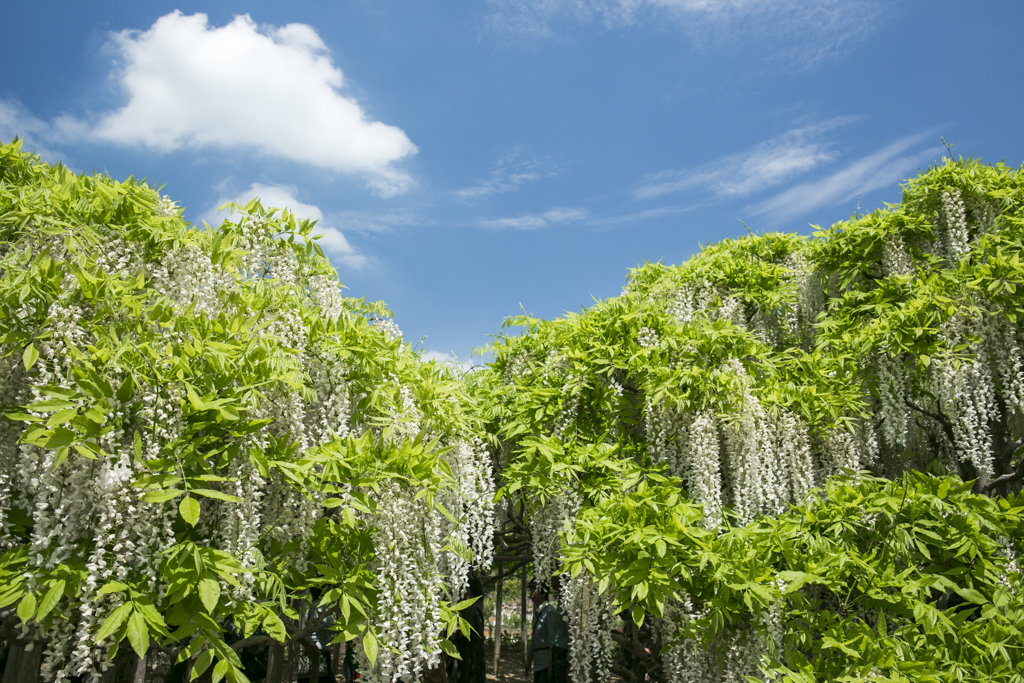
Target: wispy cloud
(878,170)
(536,221)
(333,242)
(508,175)
(377,221)
(638,216)
(802,31)
(765,165)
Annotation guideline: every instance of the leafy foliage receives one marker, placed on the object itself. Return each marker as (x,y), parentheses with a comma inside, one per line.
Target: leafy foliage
(202,434)
(657,441)
(788,458)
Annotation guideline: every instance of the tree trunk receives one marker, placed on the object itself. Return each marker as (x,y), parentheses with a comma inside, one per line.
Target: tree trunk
(497,620)
(139,676)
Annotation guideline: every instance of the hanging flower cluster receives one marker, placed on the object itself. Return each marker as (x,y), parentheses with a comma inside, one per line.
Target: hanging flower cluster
(754,372)
(407,540)
(473,504)
(548,523)
(199,429)
(591,617)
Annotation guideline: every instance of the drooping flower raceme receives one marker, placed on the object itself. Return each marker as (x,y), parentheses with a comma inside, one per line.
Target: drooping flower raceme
(193,421)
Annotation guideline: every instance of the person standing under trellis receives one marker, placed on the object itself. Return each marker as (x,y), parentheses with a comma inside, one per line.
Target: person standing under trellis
(549,644)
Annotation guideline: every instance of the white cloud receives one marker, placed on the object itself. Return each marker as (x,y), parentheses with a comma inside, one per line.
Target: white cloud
(508,175)
(767,164)
(535,221)
(270,89)
(802,31)
(333,241)
(879,170)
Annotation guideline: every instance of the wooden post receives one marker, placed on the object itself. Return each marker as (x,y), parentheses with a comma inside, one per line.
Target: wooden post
(291,665)
(337,653)
(497,619)
(524,628)
(314,664)
(275,664)
(14,656)
(22,666)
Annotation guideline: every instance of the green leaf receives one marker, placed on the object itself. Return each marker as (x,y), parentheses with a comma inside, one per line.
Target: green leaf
(193,398)
(971,595)
(61,417)
(127,388)
(213,493)
(23,417)
(220,669)
(943,490)
(209,593)
(189,509)
(156,481)
(162,495)
(61,437)
(30,356)
(274,627)
(464,604)
(450,649)
(112,587)
(89,450)
(153,618)
(50,405)
(370,647)
(827,642)
(51,599)
(638,615)
(27,607)
(113,622)
(446,513)
(138,633)
(60,457)
(54,391)
(201,664)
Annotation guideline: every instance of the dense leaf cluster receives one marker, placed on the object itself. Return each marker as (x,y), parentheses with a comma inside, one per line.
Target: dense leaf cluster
(793,458)
(747,378)
(197,427)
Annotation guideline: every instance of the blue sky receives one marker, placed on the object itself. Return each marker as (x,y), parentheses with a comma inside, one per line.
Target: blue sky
(470,157)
